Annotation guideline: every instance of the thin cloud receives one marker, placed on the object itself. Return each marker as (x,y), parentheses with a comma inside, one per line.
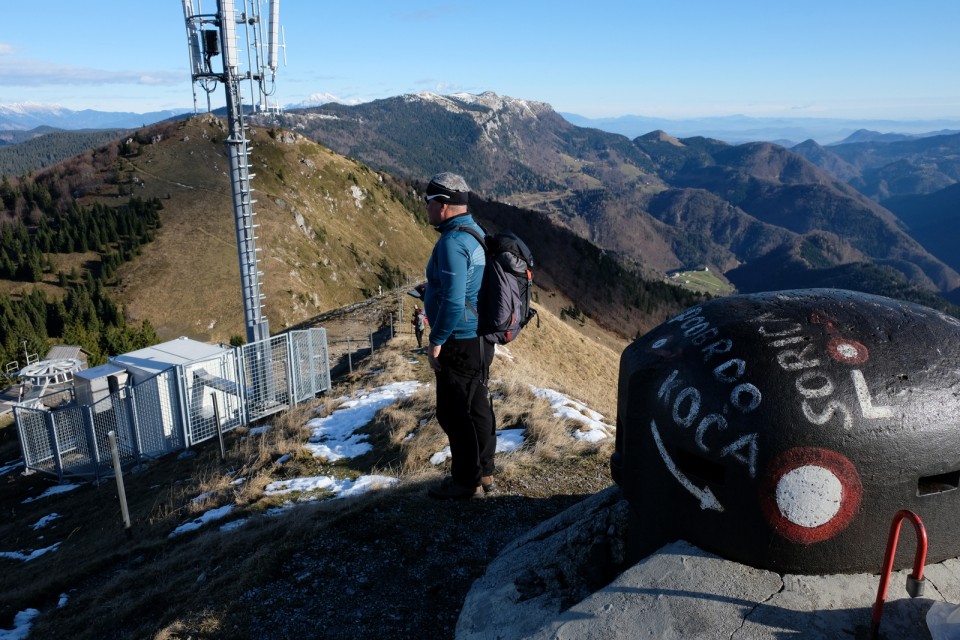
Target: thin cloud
(6,49)
(34,73)
(439,86)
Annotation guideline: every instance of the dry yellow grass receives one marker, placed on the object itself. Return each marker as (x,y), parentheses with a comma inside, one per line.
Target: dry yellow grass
(327,227)
(558,356)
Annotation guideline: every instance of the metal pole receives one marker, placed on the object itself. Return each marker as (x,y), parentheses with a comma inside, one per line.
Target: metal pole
(216,419)
(112,435)
(227,19)
(349,355)
(371,342)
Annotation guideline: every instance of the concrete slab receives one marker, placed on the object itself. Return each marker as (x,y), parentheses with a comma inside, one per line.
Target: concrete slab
(680,591)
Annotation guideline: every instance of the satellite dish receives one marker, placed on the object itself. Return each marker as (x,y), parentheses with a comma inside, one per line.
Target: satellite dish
(51,371)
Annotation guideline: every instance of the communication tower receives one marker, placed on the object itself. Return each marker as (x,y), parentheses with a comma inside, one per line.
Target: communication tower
(211,36)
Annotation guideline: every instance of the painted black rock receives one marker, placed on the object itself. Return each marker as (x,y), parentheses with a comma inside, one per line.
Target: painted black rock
(784,430)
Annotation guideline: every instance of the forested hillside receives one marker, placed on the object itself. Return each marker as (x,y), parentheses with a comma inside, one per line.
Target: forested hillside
(73,306)
(26,153)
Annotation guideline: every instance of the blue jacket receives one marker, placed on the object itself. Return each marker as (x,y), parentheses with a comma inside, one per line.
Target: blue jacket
(454,274)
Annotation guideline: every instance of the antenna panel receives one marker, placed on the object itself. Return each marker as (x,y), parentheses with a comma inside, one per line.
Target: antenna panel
(229,30)
(273,39)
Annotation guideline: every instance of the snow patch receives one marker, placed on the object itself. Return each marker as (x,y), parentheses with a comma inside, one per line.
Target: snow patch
(592,428)
(52,491)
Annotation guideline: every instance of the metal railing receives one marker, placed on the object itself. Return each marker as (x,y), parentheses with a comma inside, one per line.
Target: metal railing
(915,581)
(175,409)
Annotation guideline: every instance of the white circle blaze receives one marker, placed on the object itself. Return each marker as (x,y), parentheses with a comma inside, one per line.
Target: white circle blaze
(809,496)
(847,351)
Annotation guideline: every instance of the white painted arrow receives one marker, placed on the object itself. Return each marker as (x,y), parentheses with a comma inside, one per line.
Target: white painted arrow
(705,496)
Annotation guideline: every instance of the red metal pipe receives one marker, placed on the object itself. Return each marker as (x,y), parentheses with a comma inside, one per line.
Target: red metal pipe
(918,561)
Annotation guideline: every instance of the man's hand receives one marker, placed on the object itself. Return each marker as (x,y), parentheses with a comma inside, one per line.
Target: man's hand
(433,352)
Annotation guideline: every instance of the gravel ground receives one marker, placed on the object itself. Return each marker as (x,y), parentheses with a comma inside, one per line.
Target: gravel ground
(401,567)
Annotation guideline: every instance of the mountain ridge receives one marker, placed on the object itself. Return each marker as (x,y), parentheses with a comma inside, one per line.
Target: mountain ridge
(331,231)
(735,129)
(730,128)
(600,184)
(884,169)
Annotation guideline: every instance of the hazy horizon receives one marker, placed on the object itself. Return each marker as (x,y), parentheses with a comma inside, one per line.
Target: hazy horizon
(854,60)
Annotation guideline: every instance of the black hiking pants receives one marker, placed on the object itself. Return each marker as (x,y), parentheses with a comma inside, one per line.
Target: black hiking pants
(463,408)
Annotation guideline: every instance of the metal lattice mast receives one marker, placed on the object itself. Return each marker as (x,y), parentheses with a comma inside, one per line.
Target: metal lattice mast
(204,45)
(258,327)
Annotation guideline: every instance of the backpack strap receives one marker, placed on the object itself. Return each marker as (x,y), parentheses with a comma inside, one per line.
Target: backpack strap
(476,234)
(484,369)
(483,243)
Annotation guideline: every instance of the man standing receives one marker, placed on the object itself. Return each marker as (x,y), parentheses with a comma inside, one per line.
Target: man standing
(459,358)
(419,322)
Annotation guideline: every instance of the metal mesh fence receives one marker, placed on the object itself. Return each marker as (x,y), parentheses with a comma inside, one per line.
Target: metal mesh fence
(310,370)
(76,455)
(212,391)
(113,414)
(36,440)
(175,409)
(41,437)
(264,366)
(156,415)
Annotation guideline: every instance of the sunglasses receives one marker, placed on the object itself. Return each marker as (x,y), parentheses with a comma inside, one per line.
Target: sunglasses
(434,197)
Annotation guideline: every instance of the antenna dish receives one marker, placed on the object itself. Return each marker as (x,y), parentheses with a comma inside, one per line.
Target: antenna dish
(51,371)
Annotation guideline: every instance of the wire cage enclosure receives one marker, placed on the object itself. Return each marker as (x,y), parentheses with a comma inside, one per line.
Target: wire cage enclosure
(167,398)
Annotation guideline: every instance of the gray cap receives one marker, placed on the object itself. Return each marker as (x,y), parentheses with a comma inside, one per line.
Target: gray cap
(449,187)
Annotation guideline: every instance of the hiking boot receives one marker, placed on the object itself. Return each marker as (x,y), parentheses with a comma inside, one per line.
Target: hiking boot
(487,484)
(450,490)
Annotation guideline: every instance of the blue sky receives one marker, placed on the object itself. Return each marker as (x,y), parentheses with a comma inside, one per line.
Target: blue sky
(677,59)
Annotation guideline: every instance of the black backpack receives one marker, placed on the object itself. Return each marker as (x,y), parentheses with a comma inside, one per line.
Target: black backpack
(507,286)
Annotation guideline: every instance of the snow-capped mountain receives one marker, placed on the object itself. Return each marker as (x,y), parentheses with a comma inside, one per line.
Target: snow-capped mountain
(320,99)
(22,116)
